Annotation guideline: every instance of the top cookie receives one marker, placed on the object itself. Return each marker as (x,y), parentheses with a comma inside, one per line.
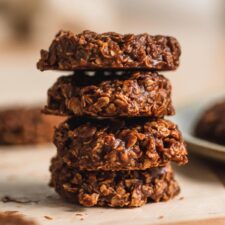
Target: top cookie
(89,50)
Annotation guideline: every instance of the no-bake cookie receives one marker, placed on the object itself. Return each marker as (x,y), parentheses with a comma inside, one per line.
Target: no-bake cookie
(20,125)
(131,94)
(135,144)
(113,189)
(89,50)
(211,125)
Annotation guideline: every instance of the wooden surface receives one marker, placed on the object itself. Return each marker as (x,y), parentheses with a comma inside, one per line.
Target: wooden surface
(214,221)
(24,176)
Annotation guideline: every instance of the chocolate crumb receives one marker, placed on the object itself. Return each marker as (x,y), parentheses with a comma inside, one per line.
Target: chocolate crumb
(160,217)
(48,217)
(181,198)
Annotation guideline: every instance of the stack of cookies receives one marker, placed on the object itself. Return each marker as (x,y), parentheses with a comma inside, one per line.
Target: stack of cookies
(115,148)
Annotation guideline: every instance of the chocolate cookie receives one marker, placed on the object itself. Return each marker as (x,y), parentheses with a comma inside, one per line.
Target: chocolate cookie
(131,95)
(89,50)
(134,144)
(19,125)
(113,189)
(211,125)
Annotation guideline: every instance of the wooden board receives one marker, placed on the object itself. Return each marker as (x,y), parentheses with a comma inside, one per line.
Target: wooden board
(24,176)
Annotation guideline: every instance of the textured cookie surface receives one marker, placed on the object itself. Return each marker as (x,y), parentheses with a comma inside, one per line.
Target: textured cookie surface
(113,189)
(131,94)
(89,50)
(134,144)
(211,125)
(19,125)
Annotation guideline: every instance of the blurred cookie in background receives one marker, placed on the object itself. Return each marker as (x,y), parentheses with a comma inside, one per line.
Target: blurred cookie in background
(211,125)
(21,125)
(18,22)
(13,218)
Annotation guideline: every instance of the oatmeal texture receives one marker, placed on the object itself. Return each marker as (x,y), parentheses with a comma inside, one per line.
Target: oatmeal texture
(113,189)
(134,144)
(130,95)
(90,50)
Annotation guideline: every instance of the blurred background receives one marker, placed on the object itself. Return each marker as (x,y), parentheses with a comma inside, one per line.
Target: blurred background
(26,26)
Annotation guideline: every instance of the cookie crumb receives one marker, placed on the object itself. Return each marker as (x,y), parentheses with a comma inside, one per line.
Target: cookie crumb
(48,217)
(160,217)
(181,198)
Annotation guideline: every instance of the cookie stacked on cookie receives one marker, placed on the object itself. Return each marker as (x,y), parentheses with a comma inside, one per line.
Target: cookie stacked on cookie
(115,147)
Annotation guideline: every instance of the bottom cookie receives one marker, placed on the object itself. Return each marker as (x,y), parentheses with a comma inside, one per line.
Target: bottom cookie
(113,189)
